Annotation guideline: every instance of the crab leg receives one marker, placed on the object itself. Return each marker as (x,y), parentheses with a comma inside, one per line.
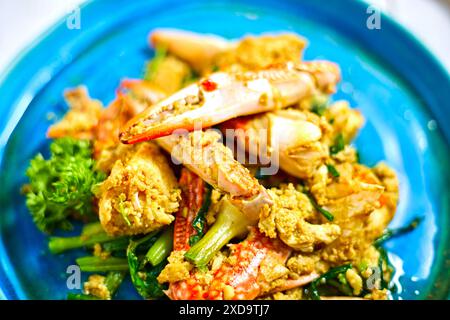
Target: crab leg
(204,154)
(240,280)
(223,96)
(198,50)
(192,194)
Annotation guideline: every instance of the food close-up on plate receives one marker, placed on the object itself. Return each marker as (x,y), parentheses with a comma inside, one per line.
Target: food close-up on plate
(225,150)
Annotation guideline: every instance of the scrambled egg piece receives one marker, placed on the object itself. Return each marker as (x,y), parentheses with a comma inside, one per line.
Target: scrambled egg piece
(389,179)
(302,264)
(96,286)
(344,119)
(140,194)
(380,217)
(108,156)
(253,53)
(377,294)
(349,154)
(272,274)
(99,252)
(214,207)
(290,218)
(171,74)
(81,119)
(292,294)
(355,281)
(177,269)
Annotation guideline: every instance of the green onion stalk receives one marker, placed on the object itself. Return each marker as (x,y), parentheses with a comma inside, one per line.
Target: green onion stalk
(230,223)
(387,235)
(60,244)
(328,215)
(99,264)
(325,278)
(391,233)
(162,247)
(92,228)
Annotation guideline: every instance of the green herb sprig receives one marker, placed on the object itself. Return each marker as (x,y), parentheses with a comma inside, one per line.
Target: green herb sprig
(61,186)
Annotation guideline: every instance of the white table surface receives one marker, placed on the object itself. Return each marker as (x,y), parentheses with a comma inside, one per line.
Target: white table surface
(21,21)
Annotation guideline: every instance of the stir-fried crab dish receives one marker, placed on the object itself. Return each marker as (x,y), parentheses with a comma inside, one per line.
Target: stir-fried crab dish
(227,172)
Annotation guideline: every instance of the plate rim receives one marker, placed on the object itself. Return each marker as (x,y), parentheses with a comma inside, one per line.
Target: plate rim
(29,50)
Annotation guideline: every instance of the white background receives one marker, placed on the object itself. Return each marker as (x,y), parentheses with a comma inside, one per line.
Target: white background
(21,21)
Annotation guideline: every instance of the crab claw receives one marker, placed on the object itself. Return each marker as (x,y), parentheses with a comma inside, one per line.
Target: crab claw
(288,138)
(198,50)
(223,96)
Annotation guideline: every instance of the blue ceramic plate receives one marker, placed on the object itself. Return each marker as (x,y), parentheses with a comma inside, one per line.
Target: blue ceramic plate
(401,89)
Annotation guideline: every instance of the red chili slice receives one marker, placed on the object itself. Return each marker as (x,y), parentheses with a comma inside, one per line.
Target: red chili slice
(209,85)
